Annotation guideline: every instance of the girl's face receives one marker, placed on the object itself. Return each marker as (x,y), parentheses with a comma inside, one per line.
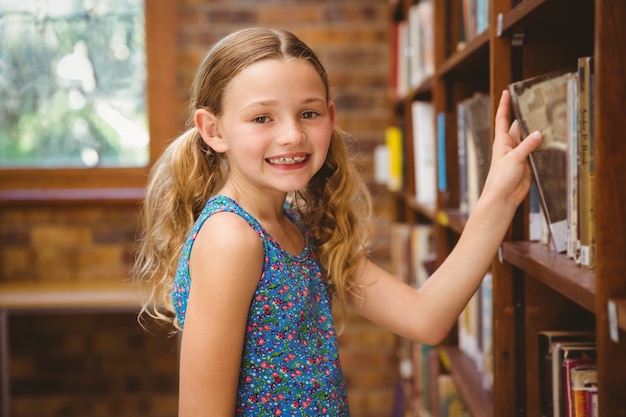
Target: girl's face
(275,127)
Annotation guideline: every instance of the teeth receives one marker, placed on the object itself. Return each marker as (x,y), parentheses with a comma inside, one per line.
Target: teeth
(287,161)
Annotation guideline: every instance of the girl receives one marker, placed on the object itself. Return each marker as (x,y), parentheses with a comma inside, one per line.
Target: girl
(254,219)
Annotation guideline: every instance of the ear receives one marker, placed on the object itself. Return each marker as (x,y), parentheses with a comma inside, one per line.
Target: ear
(331,112)
(207,124)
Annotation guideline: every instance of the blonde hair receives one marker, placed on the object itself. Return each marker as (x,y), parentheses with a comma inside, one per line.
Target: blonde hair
(334,205)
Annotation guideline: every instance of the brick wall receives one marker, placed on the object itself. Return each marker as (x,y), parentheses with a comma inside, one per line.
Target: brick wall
(66,243)
(104,365)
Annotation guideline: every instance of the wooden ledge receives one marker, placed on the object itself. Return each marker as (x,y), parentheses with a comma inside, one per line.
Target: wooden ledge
(72,195)
(36,297)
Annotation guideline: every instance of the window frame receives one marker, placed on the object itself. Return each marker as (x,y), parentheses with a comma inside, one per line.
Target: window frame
(160,27)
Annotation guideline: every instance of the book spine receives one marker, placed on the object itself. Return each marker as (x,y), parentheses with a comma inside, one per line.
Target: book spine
(442,179)
(424,152)
(586,163)
(393,140)
(580,406)
(573,242)
(462,152)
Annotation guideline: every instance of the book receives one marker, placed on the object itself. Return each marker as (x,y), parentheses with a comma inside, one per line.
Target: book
(478,111)
(424,152)
(561,353)
(400,250)
(381,165)
(546,340)
(422,377)
(584,390)
(486,291)
(482,15)
(462,154)
(442,176)
(468,324)
(450,402)
(423,251)
(587,164)
(474,146)
(475,18)
(475,331)
(574,367)
(540,103)
(393,141)
(402,56)
(573,241)
(536,220)
(421,42)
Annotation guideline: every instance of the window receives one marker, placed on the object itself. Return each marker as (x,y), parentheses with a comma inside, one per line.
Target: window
(77,78)
(73,75)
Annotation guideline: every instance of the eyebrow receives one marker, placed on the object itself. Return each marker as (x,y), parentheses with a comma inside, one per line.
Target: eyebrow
(271,103)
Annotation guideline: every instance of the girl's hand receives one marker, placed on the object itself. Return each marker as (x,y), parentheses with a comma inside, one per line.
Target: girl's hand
(509,175)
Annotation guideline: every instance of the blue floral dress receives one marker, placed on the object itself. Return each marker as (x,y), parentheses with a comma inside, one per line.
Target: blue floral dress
(290,364)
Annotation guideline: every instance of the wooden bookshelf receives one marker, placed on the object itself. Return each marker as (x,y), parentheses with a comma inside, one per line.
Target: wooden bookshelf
(468,380)
(533,288)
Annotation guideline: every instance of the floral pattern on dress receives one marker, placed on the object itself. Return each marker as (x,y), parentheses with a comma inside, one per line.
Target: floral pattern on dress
(290,364)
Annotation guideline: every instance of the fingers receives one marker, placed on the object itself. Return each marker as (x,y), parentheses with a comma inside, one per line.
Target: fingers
(515,132)
(503,128)
(528,145)
(502,114)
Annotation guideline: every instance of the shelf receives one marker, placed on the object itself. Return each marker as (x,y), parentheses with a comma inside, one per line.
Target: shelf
(84,297)
(473,57)
(71,196)
(535,18)
(427,210)
(468,380)
(507,21)
(424,91)
(533,287)
(450,218)
(453,219)
(555,270)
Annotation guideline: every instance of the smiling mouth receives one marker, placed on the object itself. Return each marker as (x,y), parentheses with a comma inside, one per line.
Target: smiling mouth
(287,161)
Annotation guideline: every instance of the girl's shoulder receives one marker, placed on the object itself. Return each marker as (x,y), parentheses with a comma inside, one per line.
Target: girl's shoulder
(220,204)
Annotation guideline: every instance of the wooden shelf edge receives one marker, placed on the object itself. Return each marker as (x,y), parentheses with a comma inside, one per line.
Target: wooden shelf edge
(427,210)
(38,297)
(512,18)
(468,380)
(452,219)
(478,44)
(71,195)
(555,270)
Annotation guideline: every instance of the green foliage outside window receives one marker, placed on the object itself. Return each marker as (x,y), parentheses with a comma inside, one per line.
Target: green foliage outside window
(72,84)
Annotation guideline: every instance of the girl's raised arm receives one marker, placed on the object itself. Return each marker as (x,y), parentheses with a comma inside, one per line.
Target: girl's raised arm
(428,313)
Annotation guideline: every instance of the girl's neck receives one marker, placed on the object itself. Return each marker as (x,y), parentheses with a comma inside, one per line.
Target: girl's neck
(264,206)
(268,210)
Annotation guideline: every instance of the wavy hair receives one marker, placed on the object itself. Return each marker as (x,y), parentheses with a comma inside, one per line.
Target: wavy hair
(334,205)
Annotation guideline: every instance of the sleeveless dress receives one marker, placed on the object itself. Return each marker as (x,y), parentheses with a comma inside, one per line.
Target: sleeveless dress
(290,364)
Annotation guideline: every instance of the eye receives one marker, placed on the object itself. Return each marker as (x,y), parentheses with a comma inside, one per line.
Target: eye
(309,115)
(261,119)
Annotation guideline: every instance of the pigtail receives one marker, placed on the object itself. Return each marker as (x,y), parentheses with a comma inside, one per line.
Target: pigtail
(337,208)
(180,183)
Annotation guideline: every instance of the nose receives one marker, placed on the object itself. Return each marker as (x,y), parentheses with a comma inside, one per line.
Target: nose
(292,132)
